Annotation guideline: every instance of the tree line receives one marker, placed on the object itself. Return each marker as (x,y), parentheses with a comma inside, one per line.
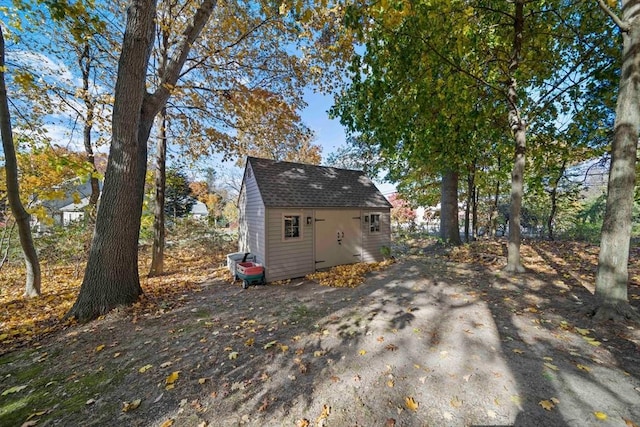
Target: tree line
(438,93)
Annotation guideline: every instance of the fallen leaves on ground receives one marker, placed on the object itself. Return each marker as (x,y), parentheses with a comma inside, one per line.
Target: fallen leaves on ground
(27,320)
(130,406)
(411,404)
(549,404)
(600,415)
(347,276)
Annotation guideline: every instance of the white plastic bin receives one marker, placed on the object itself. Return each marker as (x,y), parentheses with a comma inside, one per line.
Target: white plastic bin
(236,257)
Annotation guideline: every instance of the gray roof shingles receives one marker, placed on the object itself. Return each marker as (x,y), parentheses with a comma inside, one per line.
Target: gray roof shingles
(293,185)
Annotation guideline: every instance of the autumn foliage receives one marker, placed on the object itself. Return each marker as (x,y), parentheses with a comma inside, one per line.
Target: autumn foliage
(347,276)
(26,321)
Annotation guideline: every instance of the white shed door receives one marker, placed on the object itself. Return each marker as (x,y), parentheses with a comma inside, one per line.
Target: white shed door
(338,238)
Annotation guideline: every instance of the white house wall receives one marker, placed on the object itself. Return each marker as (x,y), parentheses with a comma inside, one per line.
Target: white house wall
(251,234)
(372,243)
(288,258)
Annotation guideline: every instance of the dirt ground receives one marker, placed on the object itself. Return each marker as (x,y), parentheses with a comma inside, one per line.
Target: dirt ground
(440,338)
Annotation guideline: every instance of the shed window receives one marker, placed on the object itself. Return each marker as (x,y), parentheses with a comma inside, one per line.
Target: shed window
(291,227)
(374,224)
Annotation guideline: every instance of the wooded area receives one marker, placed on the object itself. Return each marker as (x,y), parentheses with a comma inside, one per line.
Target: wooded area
(478,104)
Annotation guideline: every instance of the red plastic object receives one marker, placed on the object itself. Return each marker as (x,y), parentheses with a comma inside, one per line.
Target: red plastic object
(249,269)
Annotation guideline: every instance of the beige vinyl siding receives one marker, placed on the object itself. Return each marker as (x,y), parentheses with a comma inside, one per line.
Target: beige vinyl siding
(252,219)
(373,242)
(288,258)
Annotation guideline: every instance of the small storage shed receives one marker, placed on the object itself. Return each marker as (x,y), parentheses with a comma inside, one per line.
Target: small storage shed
(297,218)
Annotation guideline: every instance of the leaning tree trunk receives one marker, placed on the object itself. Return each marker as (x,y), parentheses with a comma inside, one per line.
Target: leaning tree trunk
(111,276)
(33,279)
(157,250)
(519,129)
(612,275)
(449,225)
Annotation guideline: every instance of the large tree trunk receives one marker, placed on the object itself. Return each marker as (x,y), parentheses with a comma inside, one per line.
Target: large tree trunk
(519,129)
(157,250)
(33,279)
(111,277)
(612,275)
(449,225)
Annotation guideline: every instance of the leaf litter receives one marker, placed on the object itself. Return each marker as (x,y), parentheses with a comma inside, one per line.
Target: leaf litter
(314,355)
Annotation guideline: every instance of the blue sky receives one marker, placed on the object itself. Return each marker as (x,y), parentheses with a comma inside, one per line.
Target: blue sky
(329,133)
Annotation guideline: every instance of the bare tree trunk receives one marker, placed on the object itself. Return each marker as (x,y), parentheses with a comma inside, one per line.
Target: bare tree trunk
(449,224)
(33,275)
(84,61)
(493,212)
(157,251)
(469,211)
(553,195)
(474,211)
(612,301)
(519,129)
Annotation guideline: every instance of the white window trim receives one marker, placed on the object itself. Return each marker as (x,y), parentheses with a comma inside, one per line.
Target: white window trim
(371,214)
(300,226)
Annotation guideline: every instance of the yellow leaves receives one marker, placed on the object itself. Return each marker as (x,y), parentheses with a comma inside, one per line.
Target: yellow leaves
(171,379)
(455,402)
(24,79)
(411,404)
(583,367)
(145,368)
(518,351)
(130,406)
(233,355)
(269,345)
(592,341)
(551,366)
(362,352)
(99,348)
(600,415)
(582,332)
(326,411)
(549,404)
(167,423)
(347,276)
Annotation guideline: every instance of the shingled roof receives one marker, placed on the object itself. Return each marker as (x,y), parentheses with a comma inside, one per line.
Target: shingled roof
(293,185)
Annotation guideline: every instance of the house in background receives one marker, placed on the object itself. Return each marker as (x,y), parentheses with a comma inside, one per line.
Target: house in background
(298,218)
(68,208)
(199,210)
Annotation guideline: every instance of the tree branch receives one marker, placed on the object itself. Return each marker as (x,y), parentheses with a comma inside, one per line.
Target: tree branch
(624,26)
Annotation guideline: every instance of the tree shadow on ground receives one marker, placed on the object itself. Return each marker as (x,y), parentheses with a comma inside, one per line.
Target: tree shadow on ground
(467,344)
